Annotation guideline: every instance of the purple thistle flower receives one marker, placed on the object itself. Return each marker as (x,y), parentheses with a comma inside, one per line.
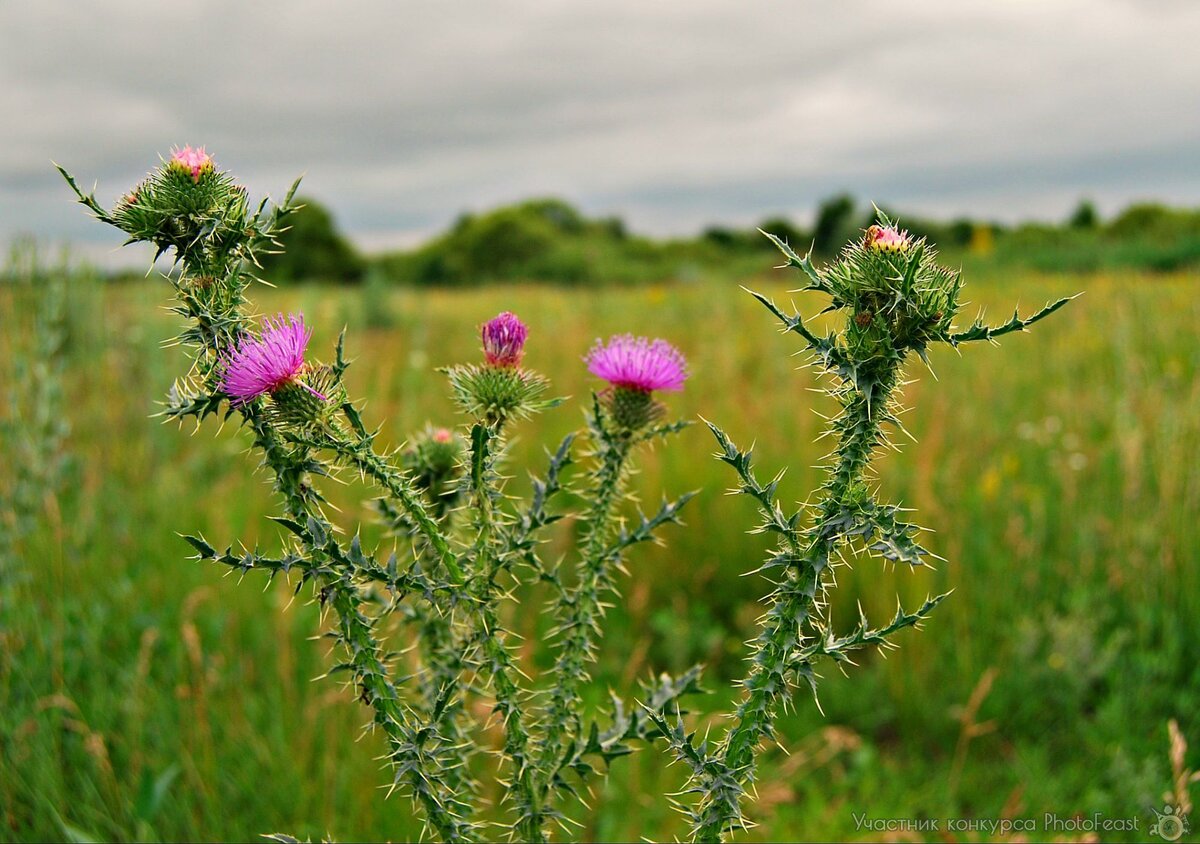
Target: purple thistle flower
(266,364)
(504,339)
(638,363)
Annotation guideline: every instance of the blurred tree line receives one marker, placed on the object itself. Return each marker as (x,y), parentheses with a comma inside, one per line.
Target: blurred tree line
(550,240)
(314,249)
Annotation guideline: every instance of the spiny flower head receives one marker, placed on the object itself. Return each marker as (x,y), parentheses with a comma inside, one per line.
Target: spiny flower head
(886,239)
(433,460)
(191,160)
(504,339)
(637,363)
(269,363)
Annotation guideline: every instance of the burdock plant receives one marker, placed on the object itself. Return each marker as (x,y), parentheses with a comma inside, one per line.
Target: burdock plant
(464,543)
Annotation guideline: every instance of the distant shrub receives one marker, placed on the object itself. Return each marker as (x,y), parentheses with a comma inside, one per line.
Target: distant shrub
(313,249)
(548,240)
(1147,237)
(835,223)
(1084,216)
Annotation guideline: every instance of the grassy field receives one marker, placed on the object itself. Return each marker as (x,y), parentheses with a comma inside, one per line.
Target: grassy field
(144,696)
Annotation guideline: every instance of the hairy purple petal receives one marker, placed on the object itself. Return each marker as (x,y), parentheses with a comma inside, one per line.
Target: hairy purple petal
(504,339)
(265,364)
(638,363)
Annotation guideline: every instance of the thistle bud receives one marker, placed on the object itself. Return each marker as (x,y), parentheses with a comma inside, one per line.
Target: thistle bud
(501,389)
(504,339)
(434,460)
(886,239)
(194,162)
(494,394)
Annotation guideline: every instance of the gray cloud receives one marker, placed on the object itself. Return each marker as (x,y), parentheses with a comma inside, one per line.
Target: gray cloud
(672,114)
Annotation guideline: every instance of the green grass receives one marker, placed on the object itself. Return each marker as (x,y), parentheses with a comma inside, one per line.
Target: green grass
(145,696)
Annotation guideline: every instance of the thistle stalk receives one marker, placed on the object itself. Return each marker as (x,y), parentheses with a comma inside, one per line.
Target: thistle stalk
(795,605)
(622,417)
(354,632)
(490,636)
(897,300)
(579,608)
(495,394)
(363,457)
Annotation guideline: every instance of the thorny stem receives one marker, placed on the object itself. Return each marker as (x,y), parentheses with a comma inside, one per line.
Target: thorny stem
(217,323)
(490,636)
(578,609)
(354,630)
(781,636)
(367,460)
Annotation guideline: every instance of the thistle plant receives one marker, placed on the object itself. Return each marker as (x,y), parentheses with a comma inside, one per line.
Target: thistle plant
(463,543)
(420,628)
(894,300)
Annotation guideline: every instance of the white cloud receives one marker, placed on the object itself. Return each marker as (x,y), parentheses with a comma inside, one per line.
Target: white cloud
(674,114)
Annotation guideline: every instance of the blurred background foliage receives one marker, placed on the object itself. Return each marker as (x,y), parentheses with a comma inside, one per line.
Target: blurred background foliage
(146,697)
(549,240)
(315,249)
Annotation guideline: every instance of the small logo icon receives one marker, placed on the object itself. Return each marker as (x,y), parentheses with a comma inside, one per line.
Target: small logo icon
(1169,824)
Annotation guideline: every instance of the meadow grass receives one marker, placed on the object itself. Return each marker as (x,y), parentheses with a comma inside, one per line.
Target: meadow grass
(145,696)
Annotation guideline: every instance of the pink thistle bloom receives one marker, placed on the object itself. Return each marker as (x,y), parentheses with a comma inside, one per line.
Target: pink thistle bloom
(638,363)
(886,239)
(442,435)
(504,339)
(266,364)
(194,161)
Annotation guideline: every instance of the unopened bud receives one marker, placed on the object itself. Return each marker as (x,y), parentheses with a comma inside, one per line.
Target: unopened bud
(886,239)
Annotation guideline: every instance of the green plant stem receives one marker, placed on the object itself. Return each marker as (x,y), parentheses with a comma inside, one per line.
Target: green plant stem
(367,460)
(443,689)
(580,608)
(410,757)
(354,631)
(490,636)
(782,634)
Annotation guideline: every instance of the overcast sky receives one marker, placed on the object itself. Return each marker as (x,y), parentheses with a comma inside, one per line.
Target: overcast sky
(672,114)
